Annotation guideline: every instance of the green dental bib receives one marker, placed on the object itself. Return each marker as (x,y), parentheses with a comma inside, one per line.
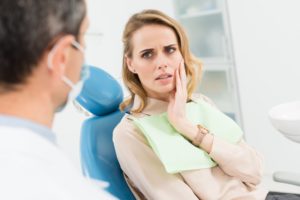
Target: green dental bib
(177,153)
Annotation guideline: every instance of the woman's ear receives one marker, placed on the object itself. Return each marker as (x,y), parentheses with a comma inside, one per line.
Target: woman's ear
(129,64)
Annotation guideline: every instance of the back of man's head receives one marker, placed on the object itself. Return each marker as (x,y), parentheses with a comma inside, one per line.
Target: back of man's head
(27,29)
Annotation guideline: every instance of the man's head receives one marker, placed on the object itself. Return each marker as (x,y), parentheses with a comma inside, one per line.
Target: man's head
(31,31)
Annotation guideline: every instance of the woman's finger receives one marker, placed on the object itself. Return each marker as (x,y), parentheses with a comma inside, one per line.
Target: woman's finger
(183,76)
(178,81)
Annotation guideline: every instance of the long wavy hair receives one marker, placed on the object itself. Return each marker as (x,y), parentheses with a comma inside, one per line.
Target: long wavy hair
(193,66)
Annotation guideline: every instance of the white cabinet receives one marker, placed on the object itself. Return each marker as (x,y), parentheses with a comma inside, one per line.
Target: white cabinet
(206,23)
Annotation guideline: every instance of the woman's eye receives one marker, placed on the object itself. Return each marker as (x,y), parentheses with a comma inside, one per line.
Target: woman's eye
(147,55)
(170,50)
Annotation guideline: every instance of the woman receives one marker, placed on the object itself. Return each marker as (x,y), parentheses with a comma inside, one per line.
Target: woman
(161,75)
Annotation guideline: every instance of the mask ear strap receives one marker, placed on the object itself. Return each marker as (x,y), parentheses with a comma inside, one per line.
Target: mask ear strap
(68,82)
(78,46)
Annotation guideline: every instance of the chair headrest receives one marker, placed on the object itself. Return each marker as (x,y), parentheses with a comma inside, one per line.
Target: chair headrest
(101,93)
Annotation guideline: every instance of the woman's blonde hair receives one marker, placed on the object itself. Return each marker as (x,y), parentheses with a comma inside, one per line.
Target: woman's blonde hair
(193,66)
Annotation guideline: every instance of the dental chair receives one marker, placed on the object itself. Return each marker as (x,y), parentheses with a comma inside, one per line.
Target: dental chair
(100,97)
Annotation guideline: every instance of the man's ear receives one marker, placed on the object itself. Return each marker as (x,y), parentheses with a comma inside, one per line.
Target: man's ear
(129,64)
(59,55)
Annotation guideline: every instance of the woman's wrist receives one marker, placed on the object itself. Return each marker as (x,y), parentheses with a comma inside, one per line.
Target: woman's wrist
(202,132)
(207,142)
(191,131)
(186,128)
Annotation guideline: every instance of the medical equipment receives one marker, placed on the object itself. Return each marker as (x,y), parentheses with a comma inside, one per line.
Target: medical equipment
(286,119)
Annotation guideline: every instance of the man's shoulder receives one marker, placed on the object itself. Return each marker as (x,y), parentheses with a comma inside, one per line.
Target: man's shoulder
(22,139)
(32,180)
(32,167)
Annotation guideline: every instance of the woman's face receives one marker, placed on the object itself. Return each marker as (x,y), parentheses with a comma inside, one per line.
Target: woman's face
(155,57)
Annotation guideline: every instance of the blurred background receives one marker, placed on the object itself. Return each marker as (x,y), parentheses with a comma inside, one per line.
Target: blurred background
(250,51)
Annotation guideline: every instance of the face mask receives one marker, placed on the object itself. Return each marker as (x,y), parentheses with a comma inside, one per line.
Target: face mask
(75,88)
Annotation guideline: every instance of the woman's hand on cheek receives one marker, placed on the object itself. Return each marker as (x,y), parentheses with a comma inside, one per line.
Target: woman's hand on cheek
(178,98)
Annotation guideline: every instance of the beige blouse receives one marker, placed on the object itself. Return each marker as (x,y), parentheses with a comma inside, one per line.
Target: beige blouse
(237,175)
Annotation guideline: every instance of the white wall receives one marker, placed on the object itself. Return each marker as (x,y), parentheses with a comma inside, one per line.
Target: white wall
(266,37)
(104,49)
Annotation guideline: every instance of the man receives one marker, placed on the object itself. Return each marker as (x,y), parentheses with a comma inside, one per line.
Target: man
(41,57)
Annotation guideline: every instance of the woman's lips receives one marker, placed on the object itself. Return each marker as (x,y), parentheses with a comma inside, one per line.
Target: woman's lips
(164,76)
(164,79)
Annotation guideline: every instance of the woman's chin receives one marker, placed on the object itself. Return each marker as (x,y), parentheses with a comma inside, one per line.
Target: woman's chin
(166,89)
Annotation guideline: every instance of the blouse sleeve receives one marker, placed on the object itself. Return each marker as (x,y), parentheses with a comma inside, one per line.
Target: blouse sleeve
(238,160)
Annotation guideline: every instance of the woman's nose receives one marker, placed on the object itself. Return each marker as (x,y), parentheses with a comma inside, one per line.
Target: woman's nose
(162,66)
(161,62)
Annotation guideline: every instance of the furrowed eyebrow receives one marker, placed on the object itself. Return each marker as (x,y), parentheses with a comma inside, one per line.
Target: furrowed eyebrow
(145,50)
(170,45)
(151,49)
